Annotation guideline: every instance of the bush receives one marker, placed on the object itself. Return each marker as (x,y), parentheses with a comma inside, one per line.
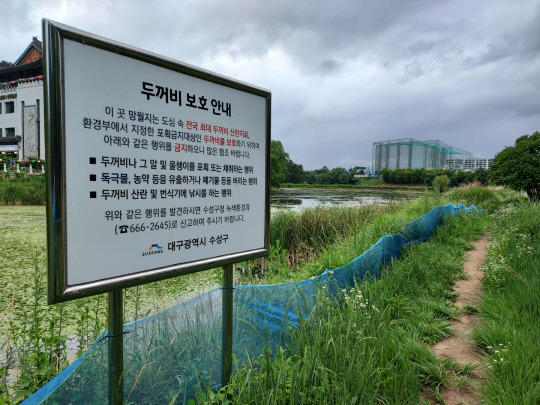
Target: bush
(484,197)
(426,177)
(441,183)
(23,190)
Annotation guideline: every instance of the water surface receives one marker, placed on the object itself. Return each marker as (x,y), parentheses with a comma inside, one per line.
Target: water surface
(299,198)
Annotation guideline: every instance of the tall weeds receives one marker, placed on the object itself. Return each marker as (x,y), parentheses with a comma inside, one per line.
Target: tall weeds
(22,190)
(371,344)
(37,341)
(306,233)
(509,335)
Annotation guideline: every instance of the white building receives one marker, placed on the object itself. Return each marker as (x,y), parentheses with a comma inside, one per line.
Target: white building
(471,164)
(22,133)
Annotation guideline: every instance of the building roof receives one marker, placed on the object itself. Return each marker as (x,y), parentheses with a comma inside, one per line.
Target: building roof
(29,64)
(35,45)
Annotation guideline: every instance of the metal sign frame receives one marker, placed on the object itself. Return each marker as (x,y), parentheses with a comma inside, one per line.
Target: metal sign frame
(54,35)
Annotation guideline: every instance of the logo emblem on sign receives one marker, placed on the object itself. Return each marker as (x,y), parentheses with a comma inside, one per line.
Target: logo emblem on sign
(154,249)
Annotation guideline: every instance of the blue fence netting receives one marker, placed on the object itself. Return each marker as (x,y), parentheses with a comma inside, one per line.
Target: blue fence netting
(168,354)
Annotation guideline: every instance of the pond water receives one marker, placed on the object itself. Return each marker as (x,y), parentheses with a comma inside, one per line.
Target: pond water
(298,198)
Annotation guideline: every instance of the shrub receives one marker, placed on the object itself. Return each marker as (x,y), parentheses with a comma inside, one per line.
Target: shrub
(484,197)
(441,183)
(23,190)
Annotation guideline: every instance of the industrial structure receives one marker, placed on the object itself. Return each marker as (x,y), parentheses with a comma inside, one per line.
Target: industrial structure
(409,153)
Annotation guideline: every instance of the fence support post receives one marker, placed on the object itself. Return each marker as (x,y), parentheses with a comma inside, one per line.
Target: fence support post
(116,348)
(227,325)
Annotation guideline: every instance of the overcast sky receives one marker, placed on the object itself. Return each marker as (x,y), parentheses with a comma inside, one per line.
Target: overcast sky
(343,74)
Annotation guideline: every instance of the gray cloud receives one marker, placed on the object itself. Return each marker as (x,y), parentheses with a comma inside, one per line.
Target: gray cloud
(343,74)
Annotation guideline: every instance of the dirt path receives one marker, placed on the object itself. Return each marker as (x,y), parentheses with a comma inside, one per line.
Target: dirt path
(464,387)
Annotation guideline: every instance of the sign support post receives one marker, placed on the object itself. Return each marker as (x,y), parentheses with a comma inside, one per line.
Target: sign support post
(116,348)
(227,322)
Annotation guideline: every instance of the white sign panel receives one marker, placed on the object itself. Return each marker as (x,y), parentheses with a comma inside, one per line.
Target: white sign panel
(165,170)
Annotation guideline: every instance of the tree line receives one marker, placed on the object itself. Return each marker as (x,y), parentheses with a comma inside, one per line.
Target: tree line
(426,177)
(284,170)
(517,167)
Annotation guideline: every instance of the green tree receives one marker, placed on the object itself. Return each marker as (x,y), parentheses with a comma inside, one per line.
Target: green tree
(295,173)
(387,175)
(318,176)
(518,166)
(463,177)
(360,170)
(441,183)
(430,176)
(322,170)
(311,177)
(403,176)
(482,175)
(278,163)
(418,176)
(338,175)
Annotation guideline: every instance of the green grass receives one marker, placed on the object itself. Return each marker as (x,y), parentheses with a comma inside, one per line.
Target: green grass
(36,340)
(355,353)
(34,337)
(509,335)
(373,346)
(305,244)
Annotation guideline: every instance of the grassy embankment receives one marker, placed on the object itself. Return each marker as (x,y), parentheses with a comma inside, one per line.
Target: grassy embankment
(374,346)
(37,341)
(405,319)
(509,336)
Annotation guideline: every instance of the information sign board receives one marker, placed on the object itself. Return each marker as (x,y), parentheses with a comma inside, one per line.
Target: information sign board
(155,168)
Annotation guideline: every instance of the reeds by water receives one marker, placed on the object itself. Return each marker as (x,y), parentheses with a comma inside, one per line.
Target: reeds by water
(306,233)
